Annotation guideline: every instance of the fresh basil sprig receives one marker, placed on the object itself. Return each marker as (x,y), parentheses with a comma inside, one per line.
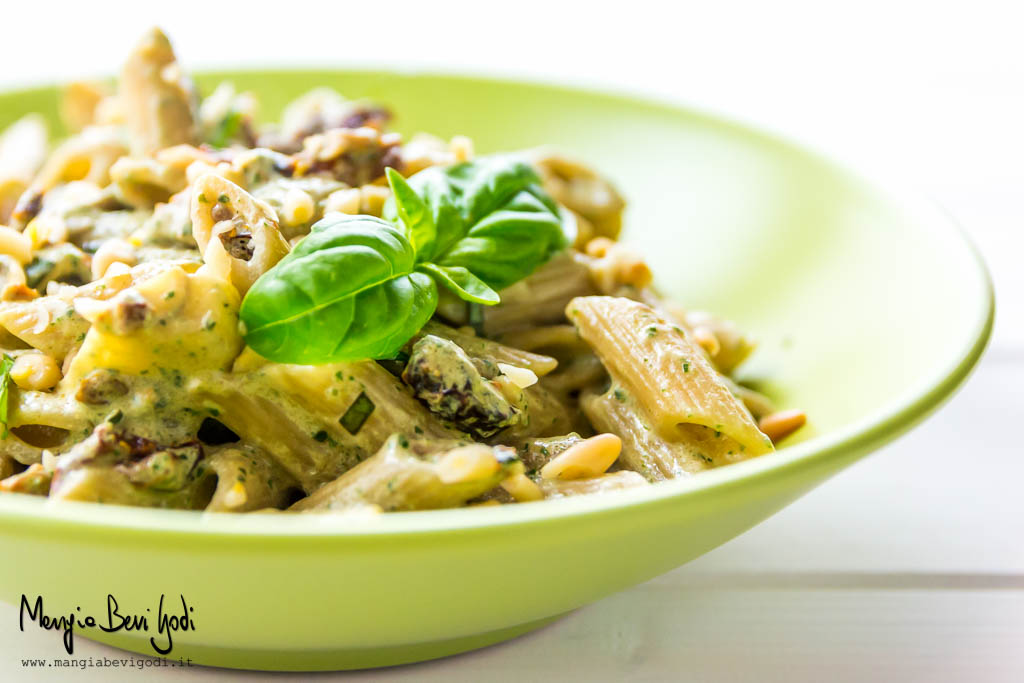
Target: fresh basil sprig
(360,287)
(489,216)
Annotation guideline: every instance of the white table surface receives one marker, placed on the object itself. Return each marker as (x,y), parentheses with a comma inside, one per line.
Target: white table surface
(910,565)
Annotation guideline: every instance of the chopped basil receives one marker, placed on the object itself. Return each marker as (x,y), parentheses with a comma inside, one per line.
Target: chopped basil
(357,414)
(476,318)
(5,376)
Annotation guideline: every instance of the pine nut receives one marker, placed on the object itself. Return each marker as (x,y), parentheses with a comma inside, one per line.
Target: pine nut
(468,463)
(707,340)
(521,377)
(522,488)
(297,208)
(35,372)
(589,458)
(599,247)
(344,201)
(778,426)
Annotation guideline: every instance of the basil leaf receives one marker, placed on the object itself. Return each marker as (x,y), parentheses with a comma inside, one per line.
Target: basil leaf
(509,244)
(491,217)
(492,183)
(441,192)
(348,291)
(5,380)
(466,285)
(413,213)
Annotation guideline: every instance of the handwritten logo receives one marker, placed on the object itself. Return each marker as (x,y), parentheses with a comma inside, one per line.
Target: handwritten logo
(167,623)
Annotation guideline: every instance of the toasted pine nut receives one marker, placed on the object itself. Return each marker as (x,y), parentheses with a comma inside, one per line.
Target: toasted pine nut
(707,340)
(35,371)
(589,458)
(467,463)
(373,198)
(778,426)
(522,488)
(297,208)
(521,377)
(599,247)
(633,271)
(344,201)
(461,147)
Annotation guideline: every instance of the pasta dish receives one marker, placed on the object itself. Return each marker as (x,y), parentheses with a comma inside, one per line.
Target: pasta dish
(199,310)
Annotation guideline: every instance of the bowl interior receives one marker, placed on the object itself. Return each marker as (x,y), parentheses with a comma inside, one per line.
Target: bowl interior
(869,308)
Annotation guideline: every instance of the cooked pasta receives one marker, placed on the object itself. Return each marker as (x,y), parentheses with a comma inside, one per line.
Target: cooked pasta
(200,310)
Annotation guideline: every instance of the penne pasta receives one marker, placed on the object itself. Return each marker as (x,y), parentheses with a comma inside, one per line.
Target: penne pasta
(644,450)
(540,299)
(408,474)
(666,372)
(247,480)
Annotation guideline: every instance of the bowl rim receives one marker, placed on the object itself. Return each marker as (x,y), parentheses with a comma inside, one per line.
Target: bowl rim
(890,420)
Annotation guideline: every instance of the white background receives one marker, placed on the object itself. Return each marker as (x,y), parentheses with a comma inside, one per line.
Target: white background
(909,566)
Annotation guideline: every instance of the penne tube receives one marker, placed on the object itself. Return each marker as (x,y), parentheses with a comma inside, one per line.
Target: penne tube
(315,421)
(540,299)
(155,97)
(116,467)
(416,474)
(247,479)
(667,373)
(543,415)
(644,450)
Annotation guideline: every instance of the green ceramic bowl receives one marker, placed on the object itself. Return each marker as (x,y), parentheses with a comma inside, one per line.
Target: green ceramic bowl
(871,308)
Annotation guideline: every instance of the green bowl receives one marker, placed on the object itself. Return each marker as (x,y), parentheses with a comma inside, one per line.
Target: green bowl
(871,308)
